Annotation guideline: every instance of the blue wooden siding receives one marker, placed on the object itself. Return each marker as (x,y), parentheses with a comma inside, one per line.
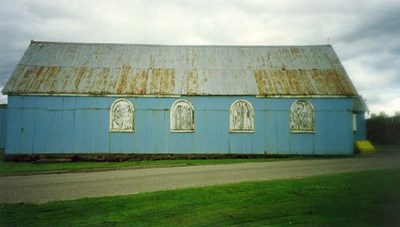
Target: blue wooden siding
(3,125)
(360,133)
(51,124)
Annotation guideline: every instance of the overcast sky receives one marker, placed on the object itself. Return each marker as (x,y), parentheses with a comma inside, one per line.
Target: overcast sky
(365,34)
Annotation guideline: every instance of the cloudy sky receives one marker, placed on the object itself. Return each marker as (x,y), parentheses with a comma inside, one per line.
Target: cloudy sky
(364,33)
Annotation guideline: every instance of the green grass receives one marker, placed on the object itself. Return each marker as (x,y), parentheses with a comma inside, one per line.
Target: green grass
(369,198)
(18,167)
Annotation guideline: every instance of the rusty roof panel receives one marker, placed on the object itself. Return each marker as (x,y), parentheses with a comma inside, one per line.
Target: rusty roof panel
(299,82)
(128,69)
(191,85)
(138,82)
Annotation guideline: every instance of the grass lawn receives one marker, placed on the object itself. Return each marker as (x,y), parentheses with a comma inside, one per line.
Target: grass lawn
(370,198)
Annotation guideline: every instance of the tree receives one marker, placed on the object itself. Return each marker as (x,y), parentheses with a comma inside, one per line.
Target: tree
(383,130)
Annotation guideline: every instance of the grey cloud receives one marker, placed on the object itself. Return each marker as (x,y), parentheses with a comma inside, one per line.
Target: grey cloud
(47,10)
(377,24)
(377,31)
(372,46)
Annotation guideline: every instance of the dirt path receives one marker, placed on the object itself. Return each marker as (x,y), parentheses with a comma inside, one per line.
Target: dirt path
(45,188)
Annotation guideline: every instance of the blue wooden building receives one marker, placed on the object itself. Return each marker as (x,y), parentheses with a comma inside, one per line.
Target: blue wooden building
(66,98)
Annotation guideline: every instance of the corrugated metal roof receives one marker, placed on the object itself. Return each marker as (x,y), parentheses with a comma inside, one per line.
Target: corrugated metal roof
(359,104)
(129,69)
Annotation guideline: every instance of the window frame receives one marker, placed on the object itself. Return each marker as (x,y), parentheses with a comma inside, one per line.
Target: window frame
(172,117)
(112,114)
(231,118)
(313,121)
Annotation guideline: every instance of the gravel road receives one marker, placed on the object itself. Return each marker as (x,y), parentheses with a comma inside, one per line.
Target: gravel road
(52,187)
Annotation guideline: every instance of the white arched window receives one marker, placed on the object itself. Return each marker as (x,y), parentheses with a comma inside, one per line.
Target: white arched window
(241,117)
(122,115)
(302,117)
(182,116)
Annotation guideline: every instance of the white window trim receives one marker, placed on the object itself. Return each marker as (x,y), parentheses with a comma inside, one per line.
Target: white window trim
(231,117)
(111,115)
(172,119)
(313,118)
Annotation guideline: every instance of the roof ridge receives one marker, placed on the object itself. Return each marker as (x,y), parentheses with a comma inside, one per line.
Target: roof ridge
(179,45)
